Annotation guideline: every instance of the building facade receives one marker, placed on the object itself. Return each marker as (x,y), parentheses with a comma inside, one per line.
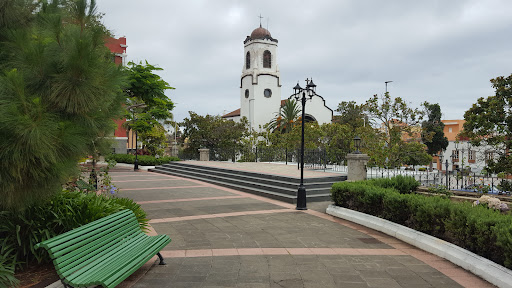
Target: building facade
(123,138)
(260,85)
(460,153)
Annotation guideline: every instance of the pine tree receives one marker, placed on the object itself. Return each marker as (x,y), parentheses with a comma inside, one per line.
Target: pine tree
(59,91)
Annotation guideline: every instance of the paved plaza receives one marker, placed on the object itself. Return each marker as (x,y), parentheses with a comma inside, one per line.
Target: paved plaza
(227,238)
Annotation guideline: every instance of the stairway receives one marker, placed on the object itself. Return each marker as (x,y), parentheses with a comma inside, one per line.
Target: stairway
(272,186)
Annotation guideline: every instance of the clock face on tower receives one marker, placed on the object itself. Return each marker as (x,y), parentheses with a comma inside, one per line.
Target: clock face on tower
(267,93)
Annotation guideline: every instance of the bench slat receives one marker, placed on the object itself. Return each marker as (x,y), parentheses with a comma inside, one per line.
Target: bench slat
(79,235)
(122,260)
(110,277)
(89,227)
(90,250)
(100,263)
(142,259)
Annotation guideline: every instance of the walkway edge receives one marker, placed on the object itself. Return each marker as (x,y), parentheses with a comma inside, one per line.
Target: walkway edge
(488,270)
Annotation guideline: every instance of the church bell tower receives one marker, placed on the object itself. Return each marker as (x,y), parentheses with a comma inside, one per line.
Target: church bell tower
(260,87)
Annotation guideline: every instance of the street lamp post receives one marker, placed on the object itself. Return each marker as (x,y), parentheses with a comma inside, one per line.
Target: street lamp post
(387,85)
(357,144)
(453,165)
(301,94)
(131,108)
(447,183)
(136,163)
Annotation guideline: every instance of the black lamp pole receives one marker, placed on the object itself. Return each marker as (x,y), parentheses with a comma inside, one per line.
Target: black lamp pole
(300,94)
(136,163)
(132,108)
(447,183)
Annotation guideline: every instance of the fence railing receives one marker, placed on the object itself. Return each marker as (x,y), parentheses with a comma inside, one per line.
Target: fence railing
(321,159)
(454,180)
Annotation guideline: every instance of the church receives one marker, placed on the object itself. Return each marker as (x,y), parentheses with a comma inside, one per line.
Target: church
(260,86)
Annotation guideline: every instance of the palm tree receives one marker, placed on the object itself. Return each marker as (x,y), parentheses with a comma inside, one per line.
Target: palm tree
(287,118)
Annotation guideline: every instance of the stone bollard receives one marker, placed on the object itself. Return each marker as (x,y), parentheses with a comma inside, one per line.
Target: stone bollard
(356,166)
(204,154)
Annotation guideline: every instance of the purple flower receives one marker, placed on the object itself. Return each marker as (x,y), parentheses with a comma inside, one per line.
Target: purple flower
(112,190)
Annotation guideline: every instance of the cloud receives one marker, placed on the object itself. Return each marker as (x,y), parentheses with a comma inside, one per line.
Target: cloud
(438,51)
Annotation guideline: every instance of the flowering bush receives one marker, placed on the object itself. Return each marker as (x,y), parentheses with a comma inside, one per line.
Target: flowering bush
(491,202)
(484,189)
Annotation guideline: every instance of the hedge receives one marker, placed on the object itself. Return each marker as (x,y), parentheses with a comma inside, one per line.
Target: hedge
(478,229)
(144,160)
(404,184)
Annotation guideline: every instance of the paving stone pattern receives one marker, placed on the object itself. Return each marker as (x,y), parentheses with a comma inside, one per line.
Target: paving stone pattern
(226,238)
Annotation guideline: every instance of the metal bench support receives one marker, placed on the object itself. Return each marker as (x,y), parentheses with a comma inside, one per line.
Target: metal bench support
(161,259)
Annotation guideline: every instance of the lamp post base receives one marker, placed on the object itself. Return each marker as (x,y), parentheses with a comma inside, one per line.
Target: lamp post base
(136,165)
(301,198)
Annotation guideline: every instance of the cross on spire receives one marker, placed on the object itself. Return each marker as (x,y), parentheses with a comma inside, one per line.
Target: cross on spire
(307,81)
(260,19)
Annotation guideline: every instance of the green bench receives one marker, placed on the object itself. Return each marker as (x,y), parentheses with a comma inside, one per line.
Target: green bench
(103,252)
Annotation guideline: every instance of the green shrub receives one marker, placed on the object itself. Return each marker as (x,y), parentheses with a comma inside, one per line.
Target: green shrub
(440,190)
(20,231)
(404,184)
(483,231)
(144,160)
(423,169)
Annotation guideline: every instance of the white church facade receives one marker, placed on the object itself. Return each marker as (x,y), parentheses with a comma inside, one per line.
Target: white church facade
(260,86)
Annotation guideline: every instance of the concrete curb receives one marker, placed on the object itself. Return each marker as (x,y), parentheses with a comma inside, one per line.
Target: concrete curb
(488,270)
(143,168)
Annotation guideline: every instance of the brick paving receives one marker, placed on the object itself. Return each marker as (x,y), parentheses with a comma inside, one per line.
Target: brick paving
(227,238)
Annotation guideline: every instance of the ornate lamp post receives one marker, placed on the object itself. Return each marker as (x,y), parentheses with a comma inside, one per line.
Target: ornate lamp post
(301,94)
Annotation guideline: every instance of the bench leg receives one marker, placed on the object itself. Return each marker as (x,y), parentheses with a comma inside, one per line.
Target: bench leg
(161,259)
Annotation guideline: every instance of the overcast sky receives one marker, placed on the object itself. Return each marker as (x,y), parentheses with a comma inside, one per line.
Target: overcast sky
(437,51)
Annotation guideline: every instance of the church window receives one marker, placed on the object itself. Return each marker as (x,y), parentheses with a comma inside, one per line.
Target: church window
(246,93)
(248,60)
(267,93)
(267,59)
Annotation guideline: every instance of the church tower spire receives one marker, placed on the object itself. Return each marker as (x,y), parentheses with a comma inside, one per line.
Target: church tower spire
(260,87)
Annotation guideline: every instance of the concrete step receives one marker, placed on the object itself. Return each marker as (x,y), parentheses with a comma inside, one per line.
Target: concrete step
(263,184)
(272,186)
(264,193)
(257,174)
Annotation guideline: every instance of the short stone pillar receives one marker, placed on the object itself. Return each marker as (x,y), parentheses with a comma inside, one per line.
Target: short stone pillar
(204,154)
(356,169)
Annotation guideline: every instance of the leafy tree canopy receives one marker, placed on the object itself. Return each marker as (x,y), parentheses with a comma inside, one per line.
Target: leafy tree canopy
(212,132)
(415,153)
(396,120)
(433,129)
(351,114)
(489,122)
(148,106)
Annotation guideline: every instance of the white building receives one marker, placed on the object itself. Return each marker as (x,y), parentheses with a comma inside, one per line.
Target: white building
(260,86)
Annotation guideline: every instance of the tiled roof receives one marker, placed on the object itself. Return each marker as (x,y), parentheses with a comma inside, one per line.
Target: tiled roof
(232,114)
(237,111)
